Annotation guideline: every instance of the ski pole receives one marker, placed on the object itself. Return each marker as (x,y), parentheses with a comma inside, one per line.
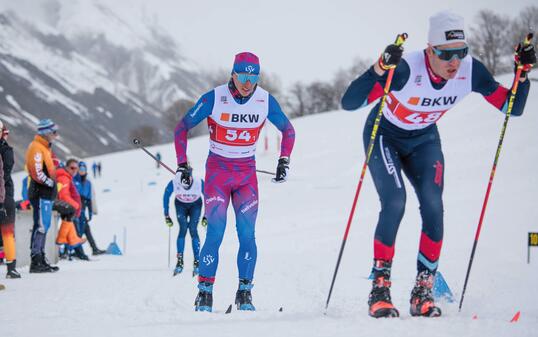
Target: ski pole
(400,39)
(266,172)
(513,91)
(137,142)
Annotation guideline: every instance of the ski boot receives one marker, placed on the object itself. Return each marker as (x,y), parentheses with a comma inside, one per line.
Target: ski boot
(11,271)
(40,265)
(379,302)
(195,265)
(243,297)
(79,254)
(422,297)
(179,265)
(98,251)
(204,300)
(45,261)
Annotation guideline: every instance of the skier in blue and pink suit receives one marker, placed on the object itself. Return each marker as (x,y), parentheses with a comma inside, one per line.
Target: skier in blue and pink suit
(236,113)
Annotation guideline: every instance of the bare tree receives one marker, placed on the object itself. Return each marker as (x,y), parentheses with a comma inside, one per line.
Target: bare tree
(297,100)
(147,133)
(524,23)
(175,113)
(322,97)
(344,77)
(490,41)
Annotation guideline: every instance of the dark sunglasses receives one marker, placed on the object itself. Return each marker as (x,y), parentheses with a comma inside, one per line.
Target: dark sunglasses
(73,167)
(449,54)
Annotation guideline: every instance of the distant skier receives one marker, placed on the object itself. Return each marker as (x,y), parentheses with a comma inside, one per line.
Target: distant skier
(235,112)
(188,203)
(158,161)
(94,169)
(426,84)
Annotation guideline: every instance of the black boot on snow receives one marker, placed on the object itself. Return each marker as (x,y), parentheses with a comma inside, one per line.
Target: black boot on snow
(422,303)
(98,251)
(379,302)
(243,296)
(204,300)
(11,271)
(79,254)
(39,265)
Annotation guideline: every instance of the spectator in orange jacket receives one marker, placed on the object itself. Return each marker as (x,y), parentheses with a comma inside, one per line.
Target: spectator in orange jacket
(69,205)
(41,191)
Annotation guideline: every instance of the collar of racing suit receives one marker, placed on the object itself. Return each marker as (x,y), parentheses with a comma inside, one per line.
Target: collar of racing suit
(237,95)
(436,79)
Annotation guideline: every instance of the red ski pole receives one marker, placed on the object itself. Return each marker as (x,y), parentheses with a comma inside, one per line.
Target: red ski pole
(400,39)
(492,173)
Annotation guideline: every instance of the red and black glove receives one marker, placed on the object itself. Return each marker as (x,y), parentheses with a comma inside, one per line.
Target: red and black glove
(390,57)
(525,56)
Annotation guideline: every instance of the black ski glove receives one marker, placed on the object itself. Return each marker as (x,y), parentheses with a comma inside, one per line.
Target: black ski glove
(390,57)
(526,56)
(185,172)
(282,170)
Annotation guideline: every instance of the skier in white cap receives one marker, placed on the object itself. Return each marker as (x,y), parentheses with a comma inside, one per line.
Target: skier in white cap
(426,84)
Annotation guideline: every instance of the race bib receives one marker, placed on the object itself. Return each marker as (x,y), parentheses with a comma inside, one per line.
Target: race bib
(233,136)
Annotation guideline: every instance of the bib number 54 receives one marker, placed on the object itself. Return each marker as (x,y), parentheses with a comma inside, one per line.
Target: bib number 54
(233,135)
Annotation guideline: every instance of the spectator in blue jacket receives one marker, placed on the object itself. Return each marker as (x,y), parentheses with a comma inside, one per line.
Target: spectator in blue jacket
(84,188)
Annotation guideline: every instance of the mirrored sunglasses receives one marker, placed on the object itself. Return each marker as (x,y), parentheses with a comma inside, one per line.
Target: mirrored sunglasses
(449,54)
(243,78)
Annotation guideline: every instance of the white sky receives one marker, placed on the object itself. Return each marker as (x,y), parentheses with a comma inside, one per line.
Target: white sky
(301,40)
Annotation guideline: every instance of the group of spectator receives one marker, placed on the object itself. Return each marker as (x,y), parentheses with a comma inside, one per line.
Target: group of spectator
(51,185)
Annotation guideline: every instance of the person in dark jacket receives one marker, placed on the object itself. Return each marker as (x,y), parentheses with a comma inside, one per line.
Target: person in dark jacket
(7,204)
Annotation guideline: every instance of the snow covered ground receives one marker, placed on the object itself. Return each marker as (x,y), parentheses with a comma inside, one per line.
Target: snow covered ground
(299,231)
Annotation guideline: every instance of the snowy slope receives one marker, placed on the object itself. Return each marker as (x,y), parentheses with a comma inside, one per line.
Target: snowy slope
(99,73)
(299,230)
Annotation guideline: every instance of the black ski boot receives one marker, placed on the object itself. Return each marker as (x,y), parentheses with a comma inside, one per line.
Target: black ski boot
(91,241)
(12,271)
(39,265)
(79,254)
(45,261)
(379,302)
(98,251)
(204,300)
(422,303)
(243,296)
(179,265)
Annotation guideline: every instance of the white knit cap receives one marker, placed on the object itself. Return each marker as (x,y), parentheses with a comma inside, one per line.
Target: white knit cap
(446,27)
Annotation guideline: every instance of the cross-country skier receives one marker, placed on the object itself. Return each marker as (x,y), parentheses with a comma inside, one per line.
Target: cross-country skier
(236,113)
(188,202)
(426,84)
